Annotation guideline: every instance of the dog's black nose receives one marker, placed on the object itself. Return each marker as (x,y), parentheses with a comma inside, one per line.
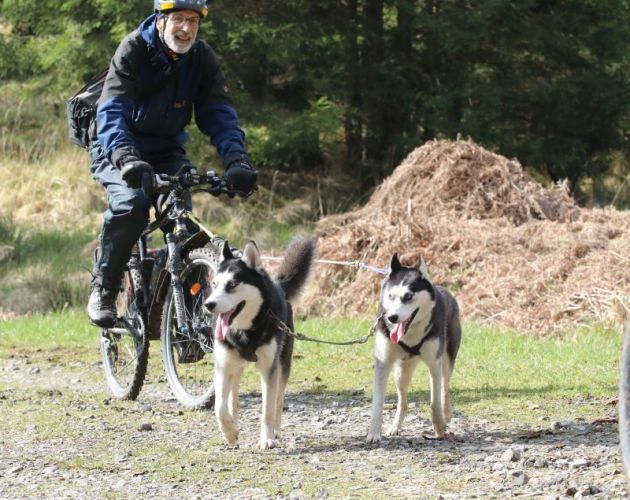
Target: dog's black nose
(210,305)
(393,318)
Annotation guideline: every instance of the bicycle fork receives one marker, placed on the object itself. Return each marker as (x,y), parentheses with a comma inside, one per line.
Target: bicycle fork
(175,270)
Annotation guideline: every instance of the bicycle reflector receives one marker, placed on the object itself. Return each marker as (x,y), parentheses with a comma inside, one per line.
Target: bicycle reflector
(195,288)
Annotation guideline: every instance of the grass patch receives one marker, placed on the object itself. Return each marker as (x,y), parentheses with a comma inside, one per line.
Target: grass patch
(510,375)
(62,331)
(498,372)
(44,270)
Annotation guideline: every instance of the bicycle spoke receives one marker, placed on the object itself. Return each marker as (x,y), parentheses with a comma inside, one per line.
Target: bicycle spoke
(188,357)
(125,347)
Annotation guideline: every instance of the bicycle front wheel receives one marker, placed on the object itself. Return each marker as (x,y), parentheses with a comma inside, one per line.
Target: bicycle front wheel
(125,347)
(188,355)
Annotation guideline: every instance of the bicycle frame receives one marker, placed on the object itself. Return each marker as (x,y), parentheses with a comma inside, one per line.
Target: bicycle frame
(178,243)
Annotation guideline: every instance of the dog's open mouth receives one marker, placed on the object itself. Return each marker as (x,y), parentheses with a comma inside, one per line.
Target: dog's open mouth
(224,320)
(399,329)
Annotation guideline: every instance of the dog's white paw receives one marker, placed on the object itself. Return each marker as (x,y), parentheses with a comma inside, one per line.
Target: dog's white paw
(230,435)
(267,444)
(373,437)
(394,430)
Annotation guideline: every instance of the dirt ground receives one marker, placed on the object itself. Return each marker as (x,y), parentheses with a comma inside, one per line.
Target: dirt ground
(64,437)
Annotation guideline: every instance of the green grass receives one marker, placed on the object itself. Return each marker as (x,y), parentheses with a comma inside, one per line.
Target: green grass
(498,372)
(525,377)
(46,270)
(68,329)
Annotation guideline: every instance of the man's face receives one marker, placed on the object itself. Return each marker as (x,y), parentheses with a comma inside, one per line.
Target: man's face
(179,29)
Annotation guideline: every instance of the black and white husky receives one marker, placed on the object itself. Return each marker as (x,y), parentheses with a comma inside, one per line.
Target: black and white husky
(254,312)
(418,321)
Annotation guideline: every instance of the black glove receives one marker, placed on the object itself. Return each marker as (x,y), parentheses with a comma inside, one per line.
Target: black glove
(239,173)
(139,174)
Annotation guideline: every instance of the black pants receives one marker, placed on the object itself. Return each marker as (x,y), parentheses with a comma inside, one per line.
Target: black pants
(127,214)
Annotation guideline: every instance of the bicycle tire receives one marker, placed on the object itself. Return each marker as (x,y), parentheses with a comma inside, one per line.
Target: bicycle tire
(188,358)
(125,347)
(624,403)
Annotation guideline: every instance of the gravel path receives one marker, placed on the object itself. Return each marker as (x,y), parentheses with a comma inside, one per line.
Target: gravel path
(62,436)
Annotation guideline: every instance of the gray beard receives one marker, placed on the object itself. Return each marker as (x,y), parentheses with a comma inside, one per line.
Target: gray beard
(175,45)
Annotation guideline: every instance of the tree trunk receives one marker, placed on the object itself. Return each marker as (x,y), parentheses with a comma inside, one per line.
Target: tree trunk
(353,122)
(373,52)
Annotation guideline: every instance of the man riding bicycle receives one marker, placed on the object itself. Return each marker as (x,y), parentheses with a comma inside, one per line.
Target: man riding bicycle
(158,78)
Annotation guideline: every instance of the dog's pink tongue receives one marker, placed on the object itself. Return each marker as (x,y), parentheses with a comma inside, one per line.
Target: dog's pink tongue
(397,333)
(221,328)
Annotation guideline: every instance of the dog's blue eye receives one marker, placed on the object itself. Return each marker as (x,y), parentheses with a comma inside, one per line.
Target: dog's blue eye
(407,297)
(230,285)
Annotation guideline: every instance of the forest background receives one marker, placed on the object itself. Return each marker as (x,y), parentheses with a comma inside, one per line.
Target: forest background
(348,88)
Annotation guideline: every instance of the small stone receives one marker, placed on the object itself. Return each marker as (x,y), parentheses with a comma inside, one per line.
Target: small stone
(577,464)
(51,469)
(519,478)
(144,407)
(146,427)
(511,455)
(541,463)
(588,491)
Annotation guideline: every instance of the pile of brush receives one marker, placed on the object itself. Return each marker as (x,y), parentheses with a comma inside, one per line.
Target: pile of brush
(513,252)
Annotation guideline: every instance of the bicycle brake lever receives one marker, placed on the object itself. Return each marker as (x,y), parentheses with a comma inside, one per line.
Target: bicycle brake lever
(161,182)
(218,188)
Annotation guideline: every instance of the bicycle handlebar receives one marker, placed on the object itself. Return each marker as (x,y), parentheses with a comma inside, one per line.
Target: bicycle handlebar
(188,178)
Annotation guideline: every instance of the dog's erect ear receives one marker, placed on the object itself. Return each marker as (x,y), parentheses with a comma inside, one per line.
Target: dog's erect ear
(251,255)
(226,252)
(422,266)
(394,265)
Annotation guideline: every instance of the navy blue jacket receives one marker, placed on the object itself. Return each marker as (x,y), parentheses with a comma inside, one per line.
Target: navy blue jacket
(148,99)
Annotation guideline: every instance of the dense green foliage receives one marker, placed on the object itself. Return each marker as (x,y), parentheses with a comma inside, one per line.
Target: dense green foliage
(359,83)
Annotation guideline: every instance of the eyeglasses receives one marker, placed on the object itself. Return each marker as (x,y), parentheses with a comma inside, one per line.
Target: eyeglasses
(180,20)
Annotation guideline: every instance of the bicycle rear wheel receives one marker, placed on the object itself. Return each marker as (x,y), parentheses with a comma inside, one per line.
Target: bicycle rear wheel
(125,347)
(188,355)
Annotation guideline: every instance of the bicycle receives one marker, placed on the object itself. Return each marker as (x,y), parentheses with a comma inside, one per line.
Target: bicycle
(162,295)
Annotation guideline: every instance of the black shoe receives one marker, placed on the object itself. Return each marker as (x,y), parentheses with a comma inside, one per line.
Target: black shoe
(101,307)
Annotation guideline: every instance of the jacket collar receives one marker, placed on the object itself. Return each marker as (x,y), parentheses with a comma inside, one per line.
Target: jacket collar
(157,55)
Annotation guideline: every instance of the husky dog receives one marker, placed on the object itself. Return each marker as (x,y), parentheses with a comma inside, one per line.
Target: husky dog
(417,321)
(253,315)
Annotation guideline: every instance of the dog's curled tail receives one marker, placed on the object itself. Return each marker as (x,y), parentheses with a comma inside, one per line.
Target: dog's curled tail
(296,266)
